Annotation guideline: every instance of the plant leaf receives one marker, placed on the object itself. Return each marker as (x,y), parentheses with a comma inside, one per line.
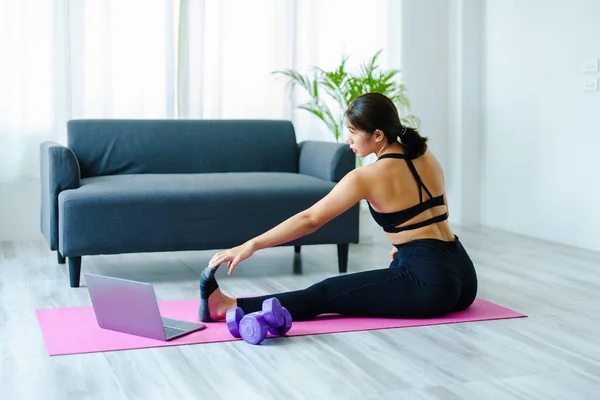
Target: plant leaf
(339,88)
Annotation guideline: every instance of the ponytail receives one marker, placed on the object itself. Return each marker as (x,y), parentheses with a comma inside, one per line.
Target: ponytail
(416,145)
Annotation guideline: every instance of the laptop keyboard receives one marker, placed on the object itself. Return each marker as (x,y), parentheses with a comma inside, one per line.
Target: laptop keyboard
(171,332)
(174,327)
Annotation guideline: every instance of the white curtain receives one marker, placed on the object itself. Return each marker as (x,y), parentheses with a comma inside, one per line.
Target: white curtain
(66,59)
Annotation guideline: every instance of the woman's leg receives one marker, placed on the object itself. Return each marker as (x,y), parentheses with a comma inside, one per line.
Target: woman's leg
(384,293)
(366,294)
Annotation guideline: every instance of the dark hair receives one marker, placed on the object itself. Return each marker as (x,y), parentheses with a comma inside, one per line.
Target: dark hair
(373,111)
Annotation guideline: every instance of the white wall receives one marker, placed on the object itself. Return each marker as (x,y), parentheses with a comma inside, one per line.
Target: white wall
(441,64)
(20,210)
(498,85)
(424,68)
(542,131)
(463,178)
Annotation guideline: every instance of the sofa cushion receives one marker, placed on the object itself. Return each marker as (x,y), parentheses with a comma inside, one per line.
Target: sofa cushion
(162,212)
(114,146)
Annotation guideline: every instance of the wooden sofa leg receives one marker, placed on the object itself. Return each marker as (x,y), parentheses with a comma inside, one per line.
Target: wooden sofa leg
(74,271)
(343,257)
(60,258)
(297,249)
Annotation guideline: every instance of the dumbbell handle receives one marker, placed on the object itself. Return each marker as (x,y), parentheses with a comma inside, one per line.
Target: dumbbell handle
(262,314)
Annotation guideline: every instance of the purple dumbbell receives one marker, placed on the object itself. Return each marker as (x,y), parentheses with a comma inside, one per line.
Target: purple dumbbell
(233,318)
(254,327)
(285,327)
(272,312)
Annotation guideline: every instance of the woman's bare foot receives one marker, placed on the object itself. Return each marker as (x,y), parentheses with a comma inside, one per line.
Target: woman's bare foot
(219,304)
(213,303)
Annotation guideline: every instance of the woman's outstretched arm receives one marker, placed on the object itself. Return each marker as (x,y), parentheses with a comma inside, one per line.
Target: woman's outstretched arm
(349,191)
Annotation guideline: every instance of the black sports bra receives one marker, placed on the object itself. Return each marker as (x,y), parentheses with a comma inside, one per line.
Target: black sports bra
(389,221)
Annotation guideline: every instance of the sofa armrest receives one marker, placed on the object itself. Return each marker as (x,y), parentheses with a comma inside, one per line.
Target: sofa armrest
(326,160)
(59,170)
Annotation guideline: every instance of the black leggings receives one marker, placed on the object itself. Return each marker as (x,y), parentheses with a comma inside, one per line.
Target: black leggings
(427,278)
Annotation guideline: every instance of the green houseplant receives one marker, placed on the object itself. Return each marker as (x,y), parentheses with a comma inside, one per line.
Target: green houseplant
(331,92)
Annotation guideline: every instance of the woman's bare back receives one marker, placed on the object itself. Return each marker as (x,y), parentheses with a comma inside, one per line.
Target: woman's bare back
(392,188)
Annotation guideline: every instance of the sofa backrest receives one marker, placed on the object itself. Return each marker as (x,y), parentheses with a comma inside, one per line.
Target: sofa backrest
(117,146)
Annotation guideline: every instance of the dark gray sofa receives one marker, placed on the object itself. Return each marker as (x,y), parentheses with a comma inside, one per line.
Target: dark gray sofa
(131,186)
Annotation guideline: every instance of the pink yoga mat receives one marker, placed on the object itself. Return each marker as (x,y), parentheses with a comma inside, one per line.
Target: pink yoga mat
(75,330)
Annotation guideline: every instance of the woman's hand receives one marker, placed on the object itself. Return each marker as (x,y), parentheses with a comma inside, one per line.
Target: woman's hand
(233,256)
(393,253)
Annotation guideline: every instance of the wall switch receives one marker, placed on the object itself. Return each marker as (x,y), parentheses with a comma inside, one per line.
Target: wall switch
(590,85)
(590,66)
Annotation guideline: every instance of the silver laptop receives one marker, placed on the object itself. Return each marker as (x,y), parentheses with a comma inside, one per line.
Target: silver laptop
(131,307)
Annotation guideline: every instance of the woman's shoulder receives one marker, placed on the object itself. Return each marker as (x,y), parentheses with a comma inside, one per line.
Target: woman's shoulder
(430,158)
(424,162)
(367,169)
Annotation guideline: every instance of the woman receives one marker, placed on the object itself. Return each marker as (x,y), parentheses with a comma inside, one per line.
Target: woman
(430,275)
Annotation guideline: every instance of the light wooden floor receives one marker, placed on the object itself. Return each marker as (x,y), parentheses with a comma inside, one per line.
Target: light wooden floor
(552,354)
